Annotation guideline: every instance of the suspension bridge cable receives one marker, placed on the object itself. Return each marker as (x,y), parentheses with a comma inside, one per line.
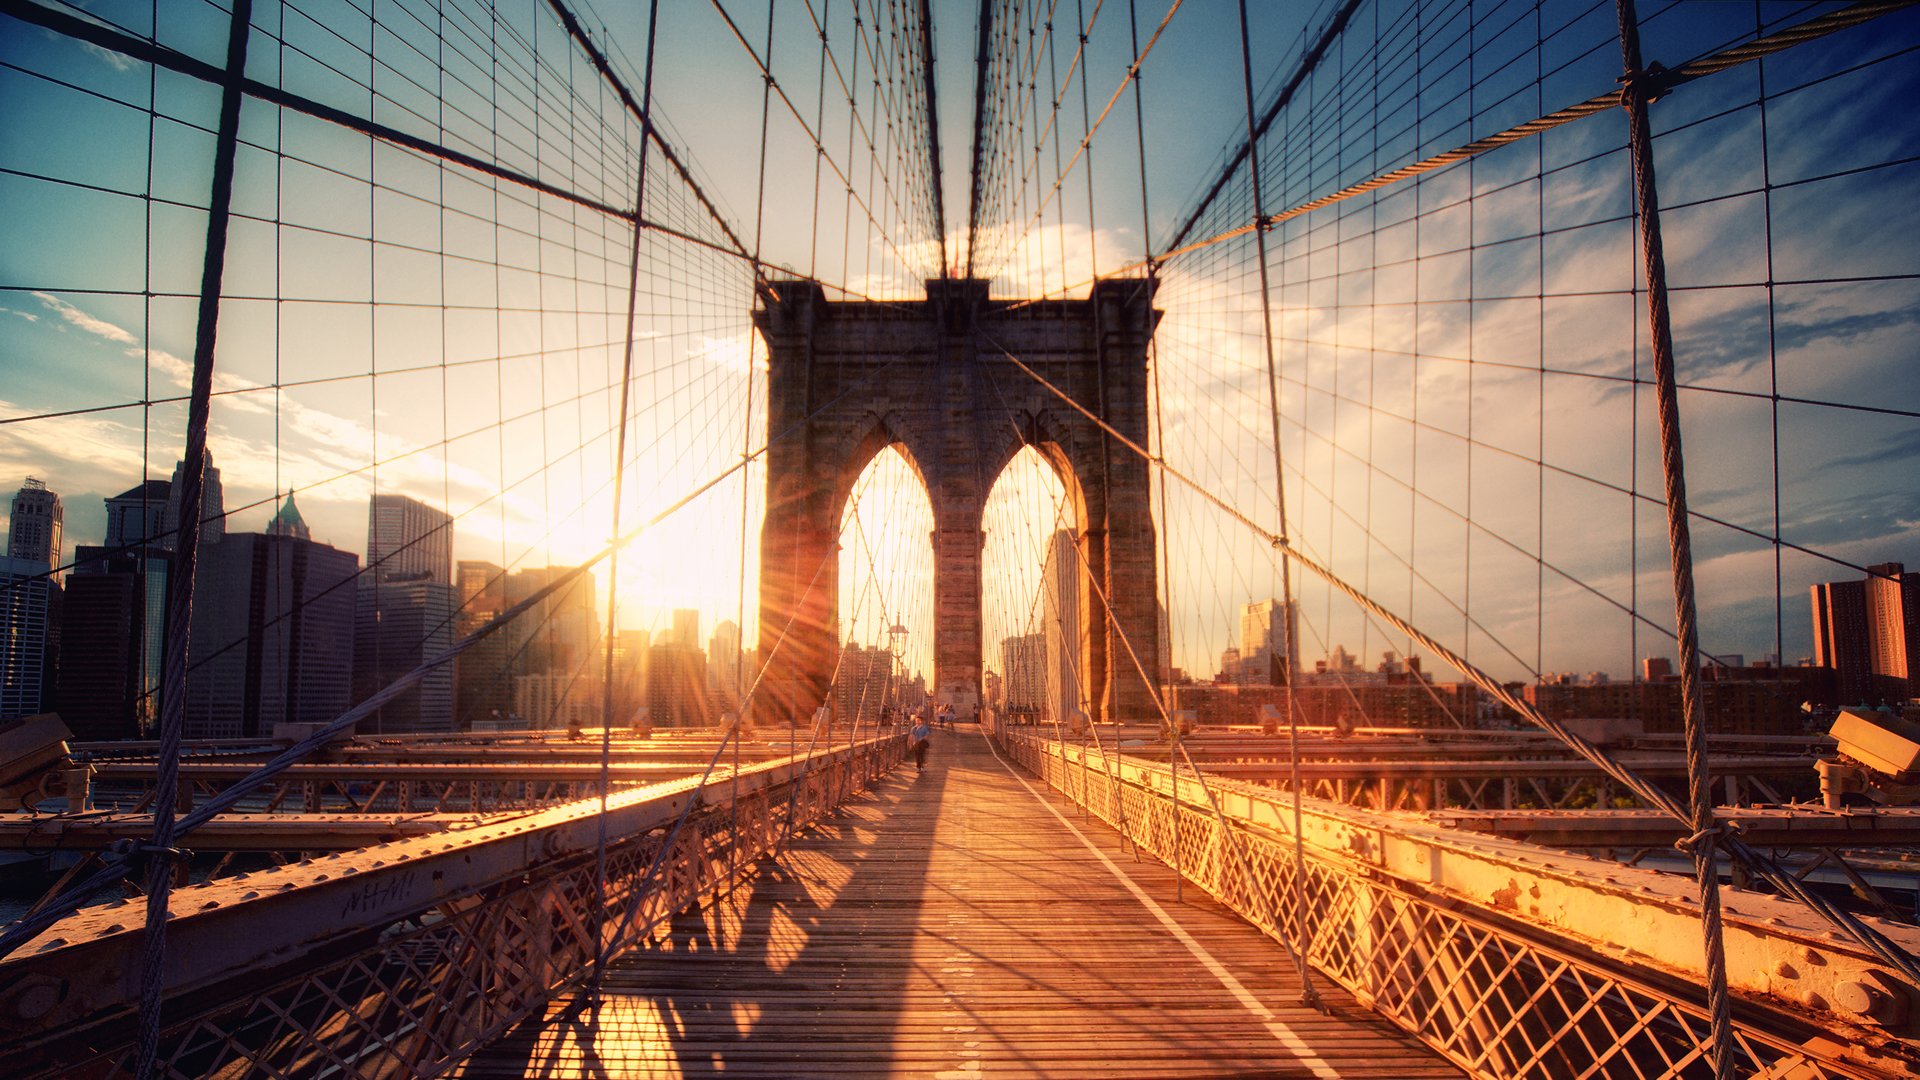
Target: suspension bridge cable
(619,477)
(1286,615)
(180,599)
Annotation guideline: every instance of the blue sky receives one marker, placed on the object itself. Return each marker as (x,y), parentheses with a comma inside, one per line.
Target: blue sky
(398,324)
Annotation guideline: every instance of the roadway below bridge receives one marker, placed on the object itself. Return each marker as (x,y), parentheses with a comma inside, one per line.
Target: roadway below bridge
(958,923)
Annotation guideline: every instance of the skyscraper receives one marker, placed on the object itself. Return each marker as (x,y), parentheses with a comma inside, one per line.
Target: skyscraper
(138,515)
(404,615)
(1268,654)
(686,627)
(113,622)
(399,626)
(1023,664)
(723,664)
(677,686)
(33,531)
(1869,633)
(98,686)
(288,522)
(272,632)
(557,636)
(29,636)
(483,685)
(861,682)
(629,676)
(1065,640)
(213,507)
(407,540)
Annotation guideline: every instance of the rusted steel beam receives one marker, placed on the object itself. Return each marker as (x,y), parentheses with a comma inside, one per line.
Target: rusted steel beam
(695,755)
(373,772)
(1782,827)
(1660,765)
(234,832)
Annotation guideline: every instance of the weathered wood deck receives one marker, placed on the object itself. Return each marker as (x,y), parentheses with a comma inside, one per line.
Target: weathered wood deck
(959,924)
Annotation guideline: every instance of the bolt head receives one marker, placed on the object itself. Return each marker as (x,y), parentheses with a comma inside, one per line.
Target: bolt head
(1858,998)
(34,1002)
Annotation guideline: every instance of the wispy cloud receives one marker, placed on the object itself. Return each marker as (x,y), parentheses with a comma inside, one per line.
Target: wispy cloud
(114,60)
(84,321)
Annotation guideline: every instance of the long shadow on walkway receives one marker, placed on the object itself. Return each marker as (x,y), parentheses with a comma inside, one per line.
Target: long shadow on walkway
(948,924)
(811,949)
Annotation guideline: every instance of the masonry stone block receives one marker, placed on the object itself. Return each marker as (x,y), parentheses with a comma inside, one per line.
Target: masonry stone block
(847,379)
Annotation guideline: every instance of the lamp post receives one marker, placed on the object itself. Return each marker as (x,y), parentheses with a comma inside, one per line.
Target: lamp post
(897,645)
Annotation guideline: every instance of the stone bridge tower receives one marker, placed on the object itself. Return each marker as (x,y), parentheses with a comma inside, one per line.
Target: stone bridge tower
(849,379)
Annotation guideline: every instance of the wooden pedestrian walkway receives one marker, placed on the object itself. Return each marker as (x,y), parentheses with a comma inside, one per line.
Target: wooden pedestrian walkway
(959,924)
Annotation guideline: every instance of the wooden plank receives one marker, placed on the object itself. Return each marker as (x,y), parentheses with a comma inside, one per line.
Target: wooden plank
(946,925)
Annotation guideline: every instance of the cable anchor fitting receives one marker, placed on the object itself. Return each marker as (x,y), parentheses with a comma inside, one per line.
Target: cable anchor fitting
(1652,84)
(1691,844)
(133,850)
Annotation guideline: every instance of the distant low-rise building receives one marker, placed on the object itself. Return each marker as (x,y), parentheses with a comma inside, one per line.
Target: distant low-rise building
(1406,703)
(1735,701)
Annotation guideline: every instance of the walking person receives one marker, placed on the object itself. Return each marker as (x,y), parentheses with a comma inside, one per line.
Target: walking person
(917,738)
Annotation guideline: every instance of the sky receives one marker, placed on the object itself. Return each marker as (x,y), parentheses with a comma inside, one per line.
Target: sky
(1461,425)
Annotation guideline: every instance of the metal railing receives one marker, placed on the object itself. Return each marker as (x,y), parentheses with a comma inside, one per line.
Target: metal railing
(1502,985)
(401,960)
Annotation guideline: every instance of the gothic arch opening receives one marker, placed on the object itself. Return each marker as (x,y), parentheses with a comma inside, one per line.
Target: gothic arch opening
(846,379)
(1032,584)
(886,575)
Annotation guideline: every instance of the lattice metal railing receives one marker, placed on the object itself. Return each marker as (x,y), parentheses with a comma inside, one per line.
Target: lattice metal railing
(1495,995)
(418,990)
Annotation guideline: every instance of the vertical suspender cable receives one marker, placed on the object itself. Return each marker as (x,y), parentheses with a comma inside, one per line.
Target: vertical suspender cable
(186,541)
(931,115)
(982,64)
(1307,994)
(619,473)
(759,227)
(1705,859)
